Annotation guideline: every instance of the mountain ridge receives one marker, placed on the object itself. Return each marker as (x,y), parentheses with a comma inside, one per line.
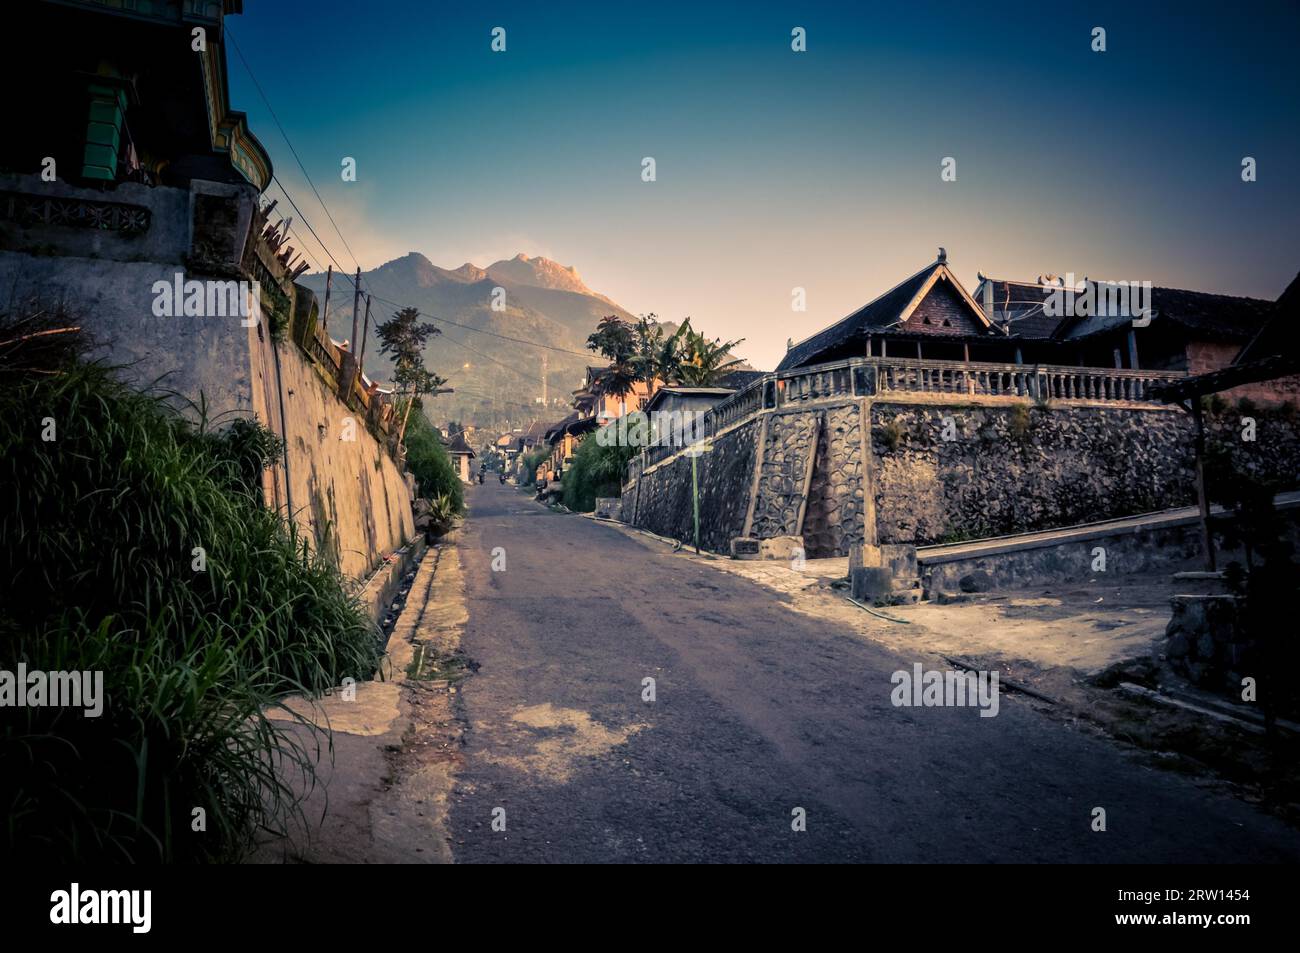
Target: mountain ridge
(498,382)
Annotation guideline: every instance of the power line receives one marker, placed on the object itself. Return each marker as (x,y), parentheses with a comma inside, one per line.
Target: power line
(504,337)
(325,248)
(267,102)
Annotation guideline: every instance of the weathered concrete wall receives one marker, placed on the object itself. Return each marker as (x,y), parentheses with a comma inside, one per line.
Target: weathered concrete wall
(105,279)
(112,300)
(1159,549)
(349,494)
(342,485)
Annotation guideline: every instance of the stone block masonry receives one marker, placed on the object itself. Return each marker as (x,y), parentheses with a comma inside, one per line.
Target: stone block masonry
(950,473)
(929,469)
(660,500)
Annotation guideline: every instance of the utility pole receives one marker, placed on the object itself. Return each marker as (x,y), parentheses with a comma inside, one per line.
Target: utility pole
(544,360)
(356,309)
(365,333)
(325,314)
(350,372)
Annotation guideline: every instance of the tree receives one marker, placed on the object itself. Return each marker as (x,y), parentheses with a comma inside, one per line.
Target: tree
(616,340)
(703,361)
(402,338)
(658,353)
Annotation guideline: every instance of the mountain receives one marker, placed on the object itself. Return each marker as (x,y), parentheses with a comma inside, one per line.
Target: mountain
(544,303)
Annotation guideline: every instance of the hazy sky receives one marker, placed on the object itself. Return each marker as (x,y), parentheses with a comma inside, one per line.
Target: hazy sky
(778,169)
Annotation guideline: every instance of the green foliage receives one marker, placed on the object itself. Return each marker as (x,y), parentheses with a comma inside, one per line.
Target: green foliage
(613,338)
(402,337)
(891,434)
(1020,421)
(98,530)
(529,464)
(595,471)
(703,361)
(443,510)
(645,352)
(431,464)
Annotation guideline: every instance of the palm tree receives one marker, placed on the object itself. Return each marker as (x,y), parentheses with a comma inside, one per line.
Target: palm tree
(703,362)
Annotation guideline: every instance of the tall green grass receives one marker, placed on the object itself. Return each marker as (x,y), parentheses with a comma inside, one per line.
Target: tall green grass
(98,532)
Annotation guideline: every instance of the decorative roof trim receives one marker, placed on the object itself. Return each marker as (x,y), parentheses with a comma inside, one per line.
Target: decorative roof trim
(942,271)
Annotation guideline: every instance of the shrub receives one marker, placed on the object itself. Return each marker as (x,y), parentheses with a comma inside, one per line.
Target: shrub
(1019,421)
(531,461)
(595,471)
(891,434)
(431,464)
(99,534)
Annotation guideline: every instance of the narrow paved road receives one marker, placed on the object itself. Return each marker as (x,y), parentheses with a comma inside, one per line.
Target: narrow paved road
(758,711)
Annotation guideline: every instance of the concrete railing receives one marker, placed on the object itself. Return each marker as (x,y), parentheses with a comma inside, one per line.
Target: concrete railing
(1035,381)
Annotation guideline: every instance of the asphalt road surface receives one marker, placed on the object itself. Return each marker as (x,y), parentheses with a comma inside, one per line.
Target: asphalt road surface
(759,711)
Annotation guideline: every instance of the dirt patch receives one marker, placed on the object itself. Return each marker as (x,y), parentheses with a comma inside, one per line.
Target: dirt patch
(558,739)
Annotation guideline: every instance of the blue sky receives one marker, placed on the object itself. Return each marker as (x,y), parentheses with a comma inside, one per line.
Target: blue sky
(778,169)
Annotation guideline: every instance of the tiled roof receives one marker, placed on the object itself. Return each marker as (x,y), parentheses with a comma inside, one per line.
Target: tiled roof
(880,313)
(558,427)
(459,446)
(1018,305)
(1280,334)
(1209,315)
(883,316)
(737,380)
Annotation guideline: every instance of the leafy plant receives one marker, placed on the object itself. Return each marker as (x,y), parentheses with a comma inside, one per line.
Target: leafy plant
(1019,421)
(133,547)
(703,360)
(402,337)
(431,464)
(891,434)
(595,471)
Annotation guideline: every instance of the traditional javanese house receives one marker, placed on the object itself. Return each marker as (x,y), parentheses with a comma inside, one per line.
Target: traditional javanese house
(931,317)
(928,316)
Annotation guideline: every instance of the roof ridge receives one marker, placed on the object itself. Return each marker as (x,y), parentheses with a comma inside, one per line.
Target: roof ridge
(858,310)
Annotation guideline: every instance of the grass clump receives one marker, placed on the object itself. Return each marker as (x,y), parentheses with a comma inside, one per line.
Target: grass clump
(135,543)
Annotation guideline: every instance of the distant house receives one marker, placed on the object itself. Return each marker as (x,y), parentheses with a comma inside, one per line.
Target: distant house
(563,437)
(605,407)
(461,454)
